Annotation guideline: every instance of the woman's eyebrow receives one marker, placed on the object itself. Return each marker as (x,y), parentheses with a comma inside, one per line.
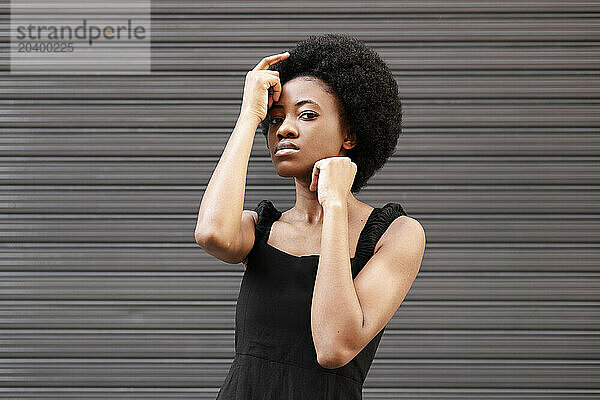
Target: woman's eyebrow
(298,103)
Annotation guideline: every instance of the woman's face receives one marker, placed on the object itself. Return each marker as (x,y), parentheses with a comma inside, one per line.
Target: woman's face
(308,116)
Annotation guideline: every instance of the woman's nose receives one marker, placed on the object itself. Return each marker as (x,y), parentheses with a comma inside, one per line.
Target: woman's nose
(286,129)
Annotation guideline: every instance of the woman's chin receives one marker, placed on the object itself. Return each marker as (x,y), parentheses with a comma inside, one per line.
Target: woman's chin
(289,171)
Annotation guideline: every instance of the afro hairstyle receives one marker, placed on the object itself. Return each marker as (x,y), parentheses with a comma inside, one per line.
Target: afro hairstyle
(365,88)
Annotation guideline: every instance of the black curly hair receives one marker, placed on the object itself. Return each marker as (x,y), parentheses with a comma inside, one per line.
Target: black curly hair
(365,87)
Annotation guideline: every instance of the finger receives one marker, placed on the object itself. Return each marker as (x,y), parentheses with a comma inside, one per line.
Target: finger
(273,87)
(266,62)
(276,89)
(315,176)
(269,100)
(314,183)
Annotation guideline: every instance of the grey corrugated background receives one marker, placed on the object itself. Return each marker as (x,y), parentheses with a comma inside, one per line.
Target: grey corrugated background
(105,294)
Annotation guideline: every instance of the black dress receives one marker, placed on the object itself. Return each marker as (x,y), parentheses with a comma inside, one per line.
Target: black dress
(275,357)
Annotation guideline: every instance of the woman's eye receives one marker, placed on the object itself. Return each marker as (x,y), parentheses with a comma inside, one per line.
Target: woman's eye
(308,114)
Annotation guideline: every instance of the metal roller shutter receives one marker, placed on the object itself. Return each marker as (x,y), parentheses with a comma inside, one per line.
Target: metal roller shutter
(105,294)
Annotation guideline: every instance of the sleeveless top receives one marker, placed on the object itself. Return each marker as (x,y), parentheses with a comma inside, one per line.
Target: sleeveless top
(275,357)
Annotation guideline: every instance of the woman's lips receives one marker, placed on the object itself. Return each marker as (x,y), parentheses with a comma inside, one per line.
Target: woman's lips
(285,152)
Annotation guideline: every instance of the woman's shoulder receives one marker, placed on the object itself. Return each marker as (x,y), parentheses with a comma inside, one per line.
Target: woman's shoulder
(394,214)
(392,209)
(396,225)
(383,216)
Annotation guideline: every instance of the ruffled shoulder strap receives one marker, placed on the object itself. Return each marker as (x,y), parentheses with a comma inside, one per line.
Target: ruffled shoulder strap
(267,214)
(376,225)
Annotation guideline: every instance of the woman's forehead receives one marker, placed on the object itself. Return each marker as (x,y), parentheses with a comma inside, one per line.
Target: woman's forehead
(302,89)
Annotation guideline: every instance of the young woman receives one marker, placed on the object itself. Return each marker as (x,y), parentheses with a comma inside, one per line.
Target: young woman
(322,279)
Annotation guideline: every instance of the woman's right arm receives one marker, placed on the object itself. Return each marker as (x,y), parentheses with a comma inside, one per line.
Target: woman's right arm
(223,228)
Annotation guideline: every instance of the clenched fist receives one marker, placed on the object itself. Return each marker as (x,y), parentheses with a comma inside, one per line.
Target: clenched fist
(262,88)
(332,178)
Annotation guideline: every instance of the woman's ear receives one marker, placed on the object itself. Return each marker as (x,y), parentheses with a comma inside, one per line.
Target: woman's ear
(350,139)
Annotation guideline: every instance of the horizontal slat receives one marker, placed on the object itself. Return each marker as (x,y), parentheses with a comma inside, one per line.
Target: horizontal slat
(415,200)
(169,257)
(396,27)
(513,229)
(199,393)
(192,113)
(240,8)
(40,142)
(398,171)
(20,343)
(423,373)
(386,6)
(457,286)
(408,64)
(446,315)
(226,87)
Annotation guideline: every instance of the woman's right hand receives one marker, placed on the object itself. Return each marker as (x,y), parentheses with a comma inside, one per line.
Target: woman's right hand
(262,88)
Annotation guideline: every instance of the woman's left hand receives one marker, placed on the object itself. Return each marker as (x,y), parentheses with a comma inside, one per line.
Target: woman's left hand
(332,178)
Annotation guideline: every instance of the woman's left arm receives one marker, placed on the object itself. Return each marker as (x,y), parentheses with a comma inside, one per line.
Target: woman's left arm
(346,314)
